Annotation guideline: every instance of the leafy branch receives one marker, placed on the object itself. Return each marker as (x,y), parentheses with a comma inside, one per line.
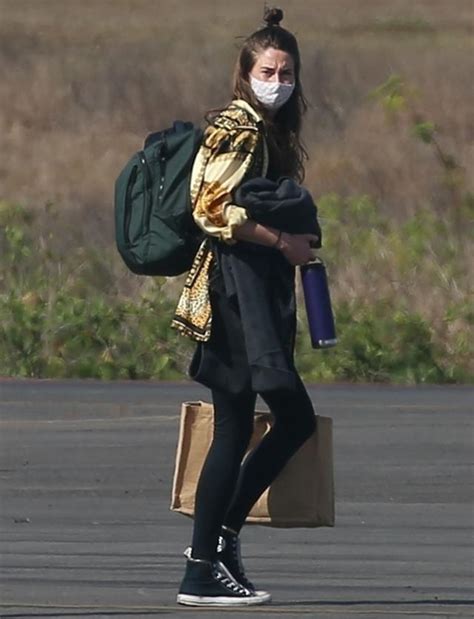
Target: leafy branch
(399,101)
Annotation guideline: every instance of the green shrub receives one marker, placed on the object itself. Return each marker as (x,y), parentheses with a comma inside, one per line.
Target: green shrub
(62,316)
(60,321)
(377,343)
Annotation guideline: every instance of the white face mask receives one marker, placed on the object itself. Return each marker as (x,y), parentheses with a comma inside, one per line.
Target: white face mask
(273,95)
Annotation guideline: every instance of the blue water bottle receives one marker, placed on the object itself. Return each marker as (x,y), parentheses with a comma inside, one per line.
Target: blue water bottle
(318,304)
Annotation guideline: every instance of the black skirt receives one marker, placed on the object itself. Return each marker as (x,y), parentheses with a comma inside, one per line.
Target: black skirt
(222,362)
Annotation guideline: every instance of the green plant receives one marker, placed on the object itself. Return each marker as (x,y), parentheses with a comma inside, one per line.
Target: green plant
(60,316)
(377,343)
(71,325)
(399,100)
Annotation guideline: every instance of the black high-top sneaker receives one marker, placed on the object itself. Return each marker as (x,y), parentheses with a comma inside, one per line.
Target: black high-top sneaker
(208,583)
(228,553)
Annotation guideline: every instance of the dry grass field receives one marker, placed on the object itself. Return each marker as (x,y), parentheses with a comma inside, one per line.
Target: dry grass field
(84,82)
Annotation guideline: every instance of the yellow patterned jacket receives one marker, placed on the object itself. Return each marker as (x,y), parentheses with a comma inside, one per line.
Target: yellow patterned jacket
(233,150)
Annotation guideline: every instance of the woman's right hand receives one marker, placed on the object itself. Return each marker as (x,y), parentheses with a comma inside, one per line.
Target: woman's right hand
(297,247)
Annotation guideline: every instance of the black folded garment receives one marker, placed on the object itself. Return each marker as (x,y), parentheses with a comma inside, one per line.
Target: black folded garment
(283,205)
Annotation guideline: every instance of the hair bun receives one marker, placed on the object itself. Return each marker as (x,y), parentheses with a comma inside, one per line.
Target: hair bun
(273,17)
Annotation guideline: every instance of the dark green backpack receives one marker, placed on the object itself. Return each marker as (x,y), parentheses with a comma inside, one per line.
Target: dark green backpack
(154,228)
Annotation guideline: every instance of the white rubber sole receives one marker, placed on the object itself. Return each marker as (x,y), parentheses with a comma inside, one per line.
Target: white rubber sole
(198,600)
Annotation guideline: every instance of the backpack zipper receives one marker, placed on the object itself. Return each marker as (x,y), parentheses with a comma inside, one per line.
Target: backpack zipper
(128,211)
(162,160)
(147,193)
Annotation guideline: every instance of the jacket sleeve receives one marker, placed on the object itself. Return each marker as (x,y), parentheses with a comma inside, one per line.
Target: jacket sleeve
(220,166)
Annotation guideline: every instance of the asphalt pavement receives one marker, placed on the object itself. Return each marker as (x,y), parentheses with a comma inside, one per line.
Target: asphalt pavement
(86,531)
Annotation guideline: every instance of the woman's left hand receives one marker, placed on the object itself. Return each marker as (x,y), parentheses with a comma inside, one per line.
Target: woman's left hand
(297,248)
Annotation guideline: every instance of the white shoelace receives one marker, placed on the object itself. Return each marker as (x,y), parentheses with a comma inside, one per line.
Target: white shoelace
(233,586)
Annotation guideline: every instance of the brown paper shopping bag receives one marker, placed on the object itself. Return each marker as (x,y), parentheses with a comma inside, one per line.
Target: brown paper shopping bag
(301,496)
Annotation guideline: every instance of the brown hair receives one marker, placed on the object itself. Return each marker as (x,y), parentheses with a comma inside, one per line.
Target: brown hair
(287,152)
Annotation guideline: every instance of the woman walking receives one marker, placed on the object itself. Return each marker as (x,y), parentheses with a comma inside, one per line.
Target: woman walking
(238,303)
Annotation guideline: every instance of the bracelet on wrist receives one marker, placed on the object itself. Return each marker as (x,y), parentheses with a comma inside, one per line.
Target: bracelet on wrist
(276,243)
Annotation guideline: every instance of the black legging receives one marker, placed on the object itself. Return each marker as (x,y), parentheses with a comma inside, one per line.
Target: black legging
(226,490)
